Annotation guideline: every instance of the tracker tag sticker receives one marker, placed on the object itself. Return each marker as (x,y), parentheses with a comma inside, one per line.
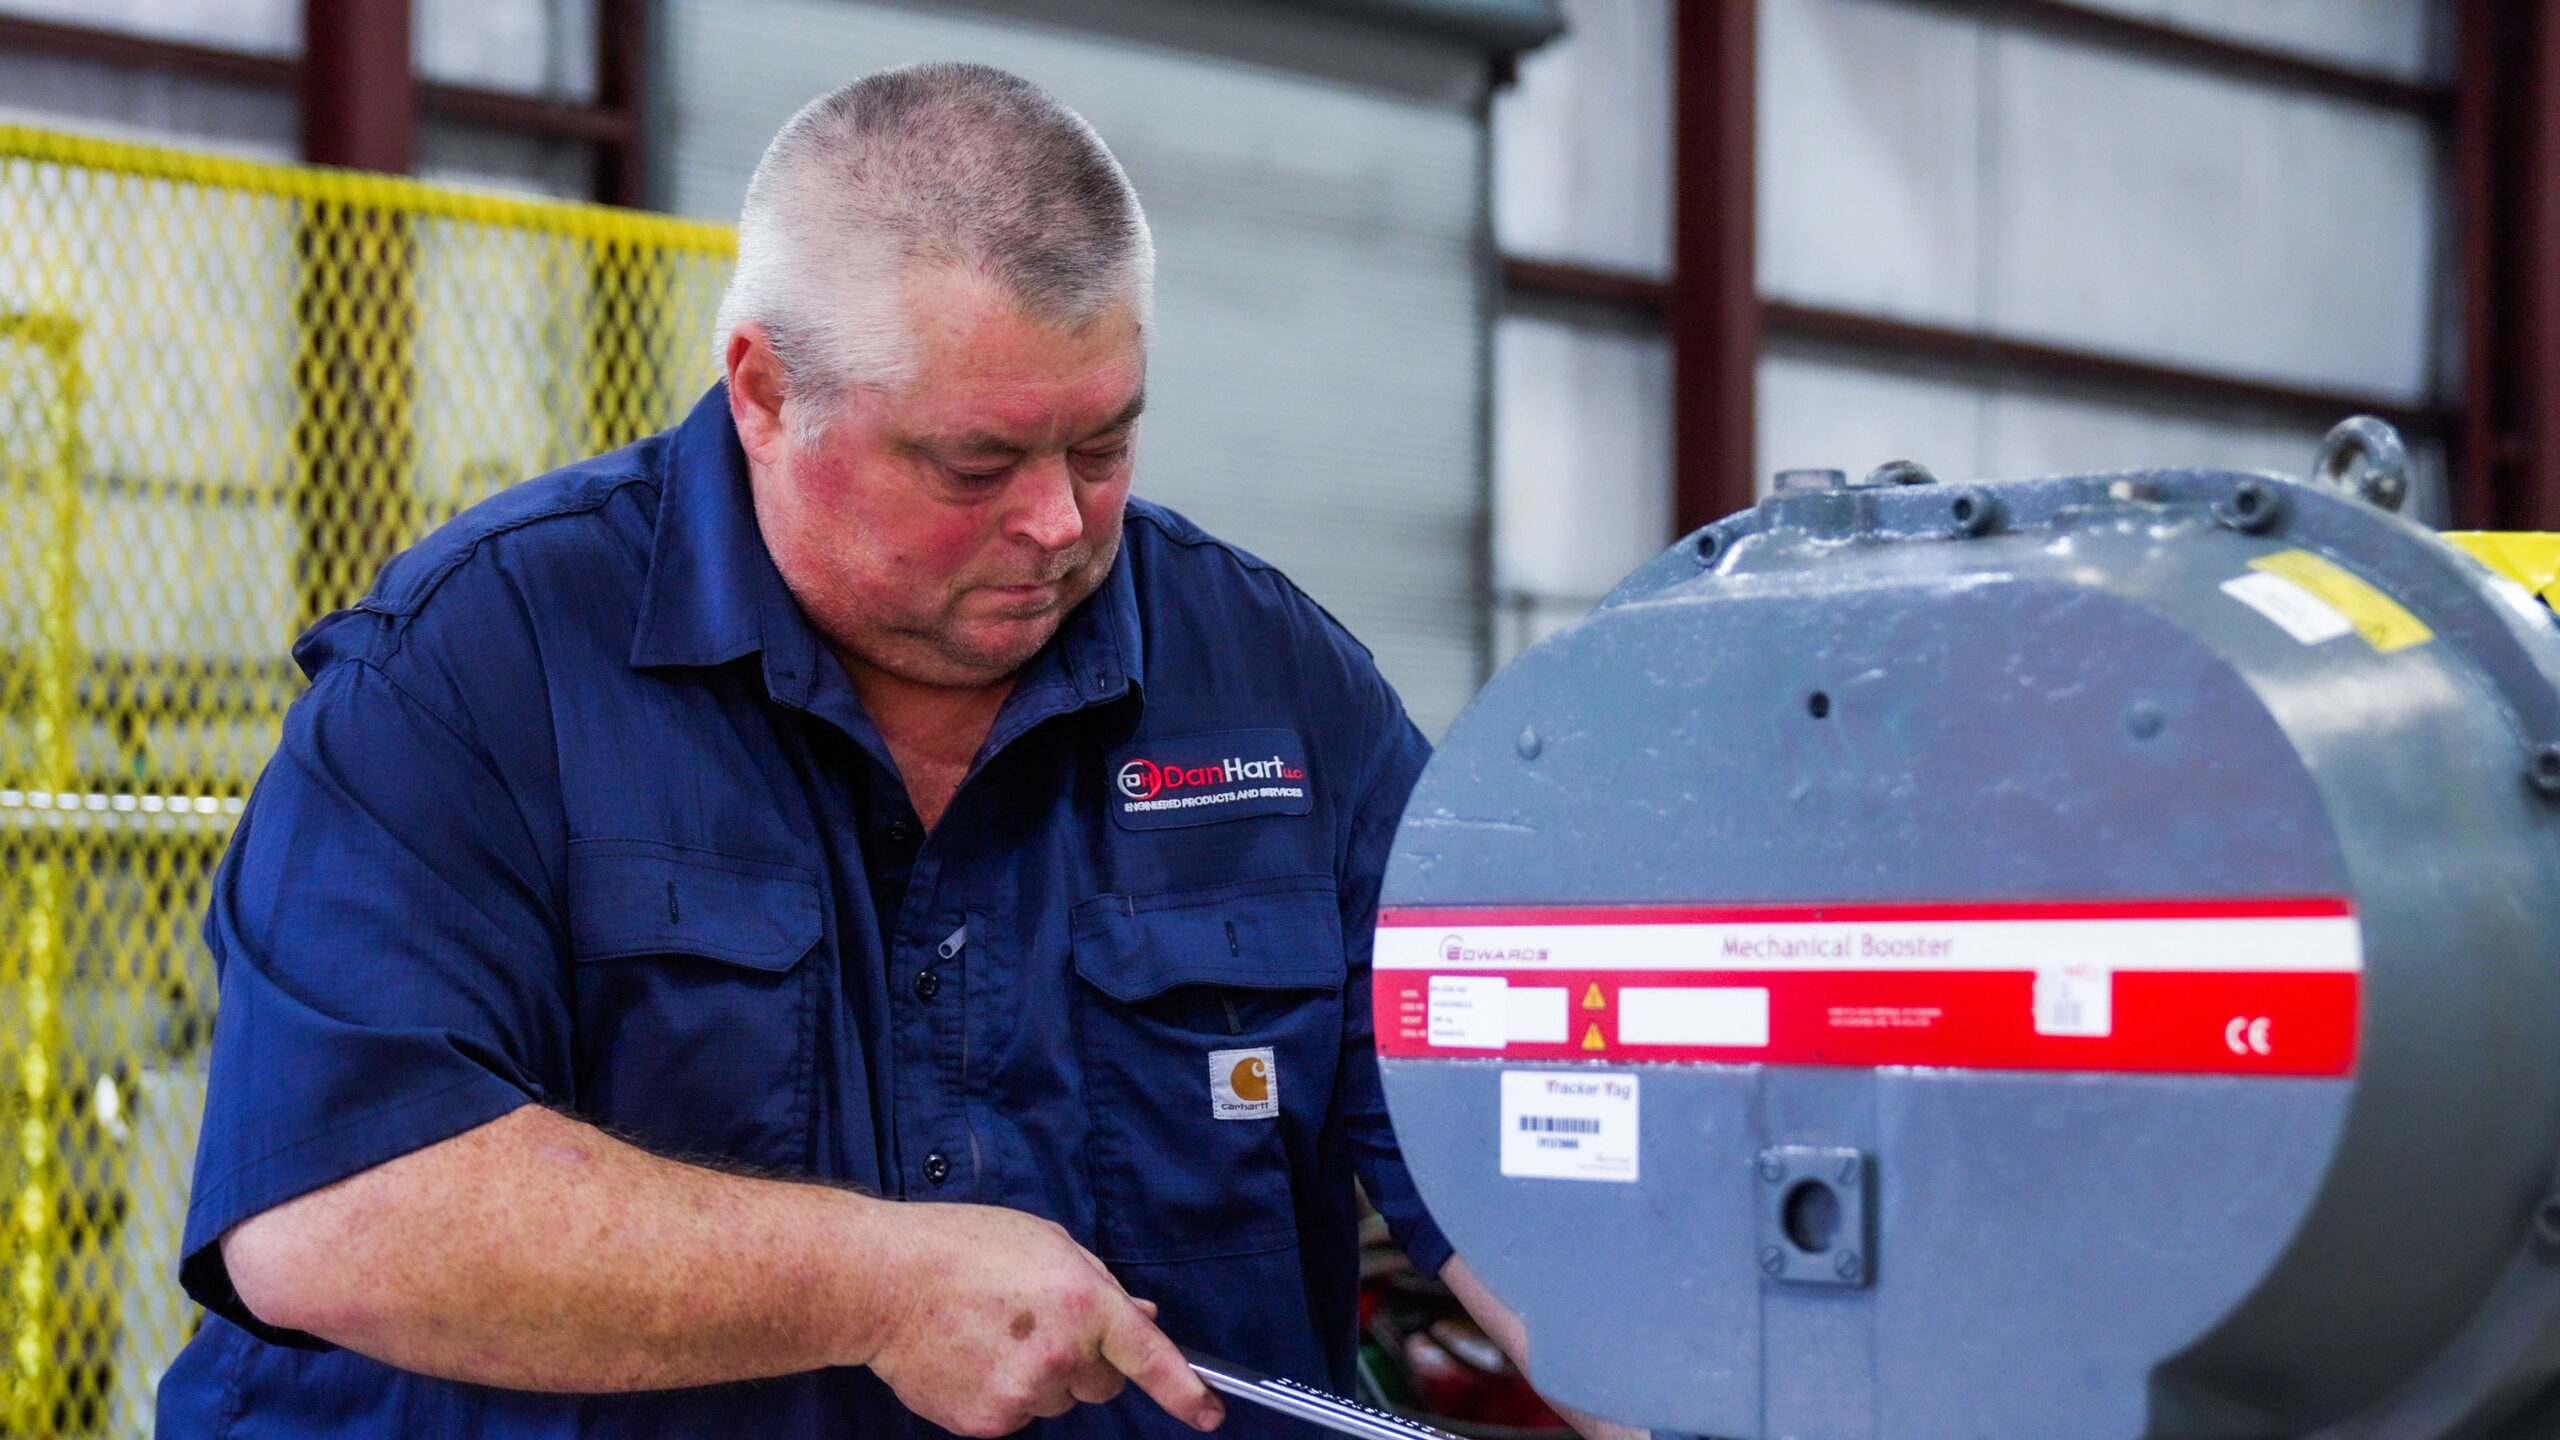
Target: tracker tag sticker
(1569,1125)
(1201,779)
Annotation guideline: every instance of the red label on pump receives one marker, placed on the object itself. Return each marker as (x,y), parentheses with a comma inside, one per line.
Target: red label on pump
(2212,987)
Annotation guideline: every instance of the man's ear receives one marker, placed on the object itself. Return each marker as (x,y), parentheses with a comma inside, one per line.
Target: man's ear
(756,392)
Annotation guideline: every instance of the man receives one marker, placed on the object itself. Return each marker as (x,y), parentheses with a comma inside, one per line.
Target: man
(691,872)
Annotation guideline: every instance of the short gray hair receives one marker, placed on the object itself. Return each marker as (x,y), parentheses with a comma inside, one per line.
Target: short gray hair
(927,165)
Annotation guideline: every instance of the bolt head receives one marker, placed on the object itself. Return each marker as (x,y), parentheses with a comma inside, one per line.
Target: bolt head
(1772,1259)
(2546,1223)
(1848,1175)
(1771,1170)
(2545,773)
(1529,743)
(1846,1265)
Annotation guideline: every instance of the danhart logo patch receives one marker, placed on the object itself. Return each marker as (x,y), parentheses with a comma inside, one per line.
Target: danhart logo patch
(1144,779)
(1201,779)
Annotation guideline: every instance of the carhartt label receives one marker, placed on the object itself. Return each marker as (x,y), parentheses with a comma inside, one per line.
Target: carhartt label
(1244,1084)
(1568,1125)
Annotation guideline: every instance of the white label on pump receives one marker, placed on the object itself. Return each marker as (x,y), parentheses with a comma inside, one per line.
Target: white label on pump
(1470,1012)
(2075,1000)
(1568,1125)
(2299,613)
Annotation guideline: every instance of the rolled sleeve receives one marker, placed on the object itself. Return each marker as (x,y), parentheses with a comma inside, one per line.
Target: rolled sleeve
(1373,1138)
(385,936)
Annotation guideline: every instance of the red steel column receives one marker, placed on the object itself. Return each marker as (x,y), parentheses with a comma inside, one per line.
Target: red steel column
(359,91)
(2507,210)
(2535,275)
(1715,305)
(622,83)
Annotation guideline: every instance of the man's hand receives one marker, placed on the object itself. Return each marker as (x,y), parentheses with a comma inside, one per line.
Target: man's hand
(1503,1327)
(1000,1318)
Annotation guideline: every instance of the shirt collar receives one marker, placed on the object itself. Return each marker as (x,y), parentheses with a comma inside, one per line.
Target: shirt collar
(713,594)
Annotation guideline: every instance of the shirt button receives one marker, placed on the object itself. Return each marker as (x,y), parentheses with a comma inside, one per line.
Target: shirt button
(899,832)
(927,985)
(937,1167)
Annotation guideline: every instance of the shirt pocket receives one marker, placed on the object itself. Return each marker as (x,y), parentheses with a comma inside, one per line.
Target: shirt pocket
(1241,983)
(695,1013)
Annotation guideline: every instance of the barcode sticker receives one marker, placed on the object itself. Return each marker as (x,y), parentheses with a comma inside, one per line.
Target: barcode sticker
(1569,1125)
(2075,1000)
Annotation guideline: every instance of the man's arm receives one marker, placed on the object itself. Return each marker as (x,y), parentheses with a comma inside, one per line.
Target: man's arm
(1503,1327)
(539,1253)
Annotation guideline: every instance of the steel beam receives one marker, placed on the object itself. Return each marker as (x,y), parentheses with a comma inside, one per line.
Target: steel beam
(1714,316)
(622,92)
(1982,356)
(2507,184)
(359,91)
(2196,50)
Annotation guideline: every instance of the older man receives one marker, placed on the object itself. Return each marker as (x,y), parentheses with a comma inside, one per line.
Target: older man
(691,870)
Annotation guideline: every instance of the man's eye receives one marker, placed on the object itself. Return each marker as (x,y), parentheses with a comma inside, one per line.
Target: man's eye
(973,479)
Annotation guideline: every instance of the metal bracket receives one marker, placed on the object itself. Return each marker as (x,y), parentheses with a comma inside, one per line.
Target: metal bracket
(1814,1215)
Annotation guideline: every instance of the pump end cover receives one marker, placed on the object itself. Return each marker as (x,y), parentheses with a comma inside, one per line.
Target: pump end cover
(2074,953)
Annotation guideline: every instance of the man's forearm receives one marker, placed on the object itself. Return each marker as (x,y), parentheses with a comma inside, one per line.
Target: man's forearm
(539,1253)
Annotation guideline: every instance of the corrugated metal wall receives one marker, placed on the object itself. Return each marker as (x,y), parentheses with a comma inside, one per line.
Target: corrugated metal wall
(537,48)
(1315,393)
(1929,166)
(1925,164)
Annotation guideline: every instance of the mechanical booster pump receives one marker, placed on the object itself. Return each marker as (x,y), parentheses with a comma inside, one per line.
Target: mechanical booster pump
(2059,960)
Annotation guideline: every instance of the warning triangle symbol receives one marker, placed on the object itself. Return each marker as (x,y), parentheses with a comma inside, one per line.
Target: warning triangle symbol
(1591,998)
(1591,1038)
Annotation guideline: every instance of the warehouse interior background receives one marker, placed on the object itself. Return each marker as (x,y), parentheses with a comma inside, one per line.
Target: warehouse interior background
(1434,271)
(1467,307)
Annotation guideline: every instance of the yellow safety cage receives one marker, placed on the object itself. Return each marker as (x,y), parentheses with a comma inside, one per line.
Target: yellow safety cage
(229,390)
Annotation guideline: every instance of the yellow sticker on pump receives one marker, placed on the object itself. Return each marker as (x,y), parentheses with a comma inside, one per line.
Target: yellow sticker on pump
(2377,617)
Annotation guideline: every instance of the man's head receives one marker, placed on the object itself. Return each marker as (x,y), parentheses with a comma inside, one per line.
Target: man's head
(935,343)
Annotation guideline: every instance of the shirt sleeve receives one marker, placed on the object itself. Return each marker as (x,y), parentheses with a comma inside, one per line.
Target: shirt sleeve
(1380,1163)
(387,947)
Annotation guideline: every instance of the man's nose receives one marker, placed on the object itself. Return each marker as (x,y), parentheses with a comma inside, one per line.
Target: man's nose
(1047,515)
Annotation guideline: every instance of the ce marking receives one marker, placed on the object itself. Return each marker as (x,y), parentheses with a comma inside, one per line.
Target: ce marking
(2246,1036)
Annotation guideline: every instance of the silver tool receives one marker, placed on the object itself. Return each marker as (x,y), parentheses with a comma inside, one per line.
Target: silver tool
(1306,1402)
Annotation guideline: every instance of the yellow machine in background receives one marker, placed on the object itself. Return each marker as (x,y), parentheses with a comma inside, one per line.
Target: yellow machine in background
(2529,558)
(228,392)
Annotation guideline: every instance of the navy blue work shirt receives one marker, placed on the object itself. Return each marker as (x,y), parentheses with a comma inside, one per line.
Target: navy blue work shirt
(579,811)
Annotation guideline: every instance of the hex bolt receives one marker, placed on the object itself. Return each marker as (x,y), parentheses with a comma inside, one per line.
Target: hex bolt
(2252,506)
(2546,1226)
(1772,1259)
(1973,510)
(1709,546)
(1772,1169)
(1529,744)
(1846,1265)
(2545,772)
(1848,1173)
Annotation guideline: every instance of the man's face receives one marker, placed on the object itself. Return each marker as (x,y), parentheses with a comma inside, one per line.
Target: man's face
(942,532)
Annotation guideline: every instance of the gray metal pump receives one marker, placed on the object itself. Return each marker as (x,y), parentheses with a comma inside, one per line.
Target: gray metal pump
(2069,959)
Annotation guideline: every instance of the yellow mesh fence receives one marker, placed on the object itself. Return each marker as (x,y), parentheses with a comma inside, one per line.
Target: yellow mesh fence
(228,392)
